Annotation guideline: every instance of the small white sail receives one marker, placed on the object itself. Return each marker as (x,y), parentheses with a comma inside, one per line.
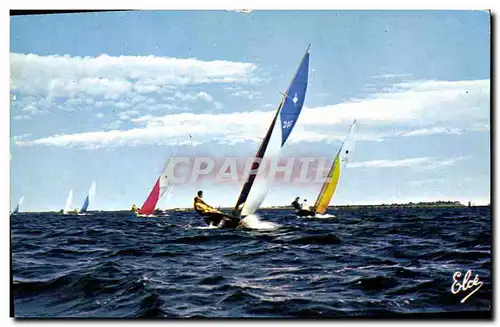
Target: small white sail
(18,207)
(69,202)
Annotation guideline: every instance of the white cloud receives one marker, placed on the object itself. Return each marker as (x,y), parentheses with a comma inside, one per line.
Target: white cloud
(422,163)
(123,105)
(193,97)
(146,88)
(110,77)
(416,103)
(99,115)
(428,181)
(21,136)
(411,162)
(405,108)
(387,76)
(247,94)
(21,117)
(126,115)
(433,130)
(31,109)
(31,105)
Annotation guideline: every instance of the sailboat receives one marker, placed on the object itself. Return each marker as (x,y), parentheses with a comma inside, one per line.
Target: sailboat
(90,197)
(330,185)
(159,189)
(16,210)
(69,202)
(254,190)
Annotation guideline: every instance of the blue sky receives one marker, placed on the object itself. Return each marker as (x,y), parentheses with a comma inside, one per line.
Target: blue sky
(109,97)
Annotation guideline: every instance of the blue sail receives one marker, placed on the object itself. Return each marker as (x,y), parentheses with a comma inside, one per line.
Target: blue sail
(85,204)
(89,197)
(294,99)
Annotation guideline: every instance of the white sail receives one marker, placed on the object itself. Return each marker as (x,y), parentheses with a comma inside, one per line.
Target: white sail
(263,181)
(169,194)
(165,183)
(347,149)
(18,207)
(69,202)
(92,190)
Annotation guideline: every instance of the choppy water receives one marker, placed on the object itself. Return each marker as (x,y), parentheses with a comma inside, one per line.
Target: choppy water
(365,262)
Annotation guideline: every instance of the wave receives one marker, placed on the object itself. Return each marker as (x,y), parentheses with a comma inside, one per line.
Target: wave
(317,239)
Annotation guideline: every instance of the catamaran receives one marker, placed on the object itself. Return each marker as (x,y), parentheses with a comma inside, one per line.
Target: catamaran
(162,185)
(330,185)
(88,199)
(16,210)
(254,190)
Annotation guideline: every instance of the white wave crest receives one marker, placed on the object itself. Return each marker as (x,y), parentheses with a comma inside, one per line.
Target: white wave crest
(254,222)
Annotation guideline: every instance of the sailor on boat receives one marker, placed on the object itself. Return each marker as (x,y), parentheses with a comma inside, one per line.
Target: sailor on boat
(134,208)
(211,215)
(296,205)
(305,210)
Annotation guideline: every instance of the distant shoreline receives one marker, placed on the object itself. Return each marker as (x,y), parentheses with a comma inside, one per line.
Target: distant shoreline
(439,204)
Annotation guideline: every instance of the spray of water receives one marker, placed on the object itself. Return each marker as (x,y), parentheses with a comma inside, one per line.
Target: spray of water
(319,216)
(254,222)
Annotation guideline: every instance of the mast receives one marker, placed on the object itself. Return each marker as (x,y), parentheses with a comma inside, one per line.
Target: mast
(247,186)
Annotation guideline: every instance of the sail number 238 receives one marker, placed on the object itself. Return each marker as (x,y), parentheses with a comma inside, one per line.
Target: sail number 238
(287,123)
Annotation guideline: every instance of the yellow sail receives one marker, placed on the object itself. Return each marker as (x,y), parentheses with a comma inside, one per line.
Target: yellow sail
(329,187)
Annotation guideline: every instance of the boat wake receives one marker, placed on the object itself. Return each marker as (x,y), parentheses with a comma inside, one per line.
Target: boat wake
(147,216)
(320,216)
(254,222)
(211,226)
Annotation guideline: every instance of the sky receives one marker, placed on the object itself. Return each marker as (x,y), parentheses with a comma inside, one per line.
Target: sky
(110,96)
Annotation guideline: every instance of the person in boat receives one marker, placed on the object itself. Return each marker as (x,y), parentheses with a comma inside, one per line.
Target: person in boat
(210,214)
(201,207)
(305,209)
(134,208)
(296,205)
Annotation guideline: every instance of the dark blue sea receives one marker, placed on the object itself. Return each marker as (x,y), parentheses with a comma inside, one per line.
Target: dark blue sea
(364,262)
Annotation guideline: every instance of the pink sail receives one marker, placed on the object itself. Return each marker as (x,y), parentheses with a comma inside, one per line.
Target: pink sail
(150,204)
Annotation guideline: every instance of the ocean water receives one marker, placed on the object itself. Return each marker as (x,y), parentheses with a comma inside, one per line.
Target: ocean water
(367,262)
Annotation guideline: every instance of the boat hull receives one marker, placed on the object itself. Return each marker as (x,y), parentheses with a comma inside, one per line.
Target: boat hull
(305,213)
(222,220)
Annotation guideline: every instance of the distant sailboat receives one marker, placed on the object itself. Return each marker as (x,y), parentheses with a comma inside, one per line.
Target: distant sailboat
(16,210)
(160,187)
(89,198)
(69,203)
(255,188)
(330,185)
